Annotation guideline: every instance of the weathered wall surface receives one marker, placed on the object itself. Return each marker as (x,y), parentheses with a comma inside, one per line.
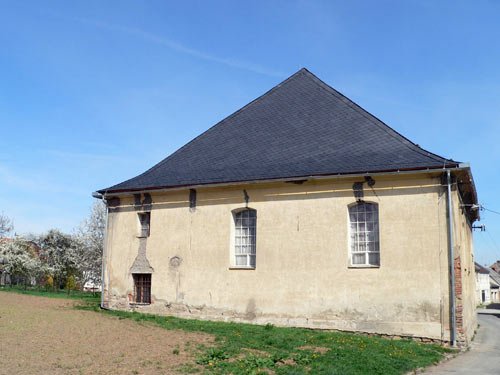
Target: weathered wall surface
(302,277)
(465,274)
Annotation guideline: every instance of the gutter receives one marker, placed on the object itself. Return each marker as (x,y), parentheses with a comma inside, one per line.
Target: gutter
(451,264)
(118,193)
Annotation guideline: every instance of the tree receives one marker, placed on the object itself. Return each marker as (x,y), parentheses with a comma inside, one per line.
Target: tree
(20,260)
(59,252)
(90,237)
(6,225)
(66,260)
(70,283)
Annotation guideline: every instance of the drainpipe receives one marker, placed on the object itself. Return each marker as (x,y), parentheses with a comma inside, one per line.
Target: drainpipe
(104,253)
(103,261)
(451,260)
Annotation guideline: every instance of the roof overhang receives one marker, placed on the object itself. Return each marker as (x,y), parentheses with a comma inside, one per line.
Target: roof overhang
(467,190)
(120,192)
(462,172)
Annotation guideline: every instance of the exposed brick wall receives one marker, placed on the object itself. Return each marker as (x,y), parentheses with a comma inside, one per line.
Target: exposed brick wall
(458,298)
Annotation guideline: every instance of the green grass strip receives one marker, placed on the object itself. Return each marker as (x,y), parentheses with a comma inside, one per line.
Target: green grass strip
(256,349)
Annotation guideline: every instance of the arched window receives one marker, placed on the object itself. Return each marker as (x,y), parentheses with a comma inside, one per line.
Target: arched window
(364,234)
(245,223)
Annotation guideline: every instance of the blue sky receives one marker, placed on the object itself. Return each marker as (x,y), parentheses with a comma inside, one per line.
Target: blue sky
(94,92)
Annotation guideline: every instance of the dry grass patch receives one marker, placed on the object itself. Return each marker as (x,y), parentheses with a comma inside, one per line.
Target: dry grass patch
(314,349)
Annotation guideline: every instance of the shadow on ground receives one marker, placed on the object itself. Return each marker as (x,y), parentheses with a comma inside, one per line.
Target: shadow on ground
(492,309)
(493,306)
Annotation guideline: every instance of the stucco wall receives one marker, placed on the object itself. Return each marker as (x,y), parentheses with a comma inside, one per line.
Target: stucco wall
(302,277)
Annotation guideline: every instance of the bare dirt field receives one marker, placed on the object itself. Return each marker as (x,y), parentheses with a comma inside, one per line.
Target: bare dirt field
(41,335)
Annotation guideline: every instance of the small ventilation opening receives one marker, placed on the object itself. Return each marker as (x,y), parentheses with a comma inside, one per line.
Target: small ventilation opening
(144,220)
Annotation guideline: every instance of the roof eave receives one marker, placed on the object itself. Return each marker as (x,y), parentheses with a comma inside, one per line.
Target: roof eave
(468,181)
(118,192)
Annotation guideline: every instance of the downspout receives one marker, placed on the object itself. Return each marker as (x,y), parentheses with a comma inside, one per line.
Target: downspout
(451,261)
(104,254)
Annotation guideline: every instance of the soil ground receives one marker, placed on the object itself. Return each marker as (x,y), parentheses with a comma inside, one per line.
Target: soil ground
(47,336)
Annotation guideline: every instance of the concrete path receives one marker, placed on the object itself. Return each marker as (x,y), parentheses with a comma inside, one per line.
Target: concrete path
(484,354)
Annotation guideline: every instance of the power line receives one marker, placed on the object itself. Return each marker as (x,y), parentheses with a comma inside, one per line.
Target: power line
(486,209)
(490,244)
(493,241)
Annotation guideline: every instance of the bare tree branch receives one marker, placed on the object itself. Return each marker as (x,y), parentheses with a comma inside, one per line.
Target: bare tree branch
(6,225)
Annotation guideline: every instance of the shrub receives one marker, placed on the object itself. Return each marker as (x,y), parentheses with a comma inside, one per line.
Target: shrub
(70,283)
(49,282)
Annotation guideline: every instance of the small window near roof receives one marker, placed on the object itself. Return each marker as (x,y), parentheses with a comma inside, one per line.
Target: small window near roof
(245,226)
(364,234)
(142,288)
(144,219)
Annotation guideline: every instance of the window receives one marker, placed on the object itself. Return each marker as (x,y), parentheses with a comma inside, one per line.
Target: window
(364,234)
(144,219)
(245,223)
(142,288)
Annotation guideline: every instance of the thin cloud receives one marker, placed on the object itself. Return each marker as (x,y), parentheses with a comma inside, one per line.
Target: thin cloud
(173,45)
(29,183)
(83,156)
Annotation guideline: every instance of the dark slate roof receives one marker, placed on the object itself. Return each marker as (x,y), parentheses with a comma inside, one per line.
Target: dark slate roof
(495,276)
(481,269)
(302,127)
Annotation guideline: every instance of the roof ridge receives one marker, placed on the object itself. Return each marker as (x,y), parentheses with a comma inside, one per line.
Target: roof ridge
(369,116)
(268,92)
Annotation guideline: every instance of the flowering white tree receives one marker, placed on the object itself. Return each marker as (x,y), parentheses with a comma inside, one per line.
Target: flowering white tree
(65,258)
(90,237)
(59,253)
(20,261)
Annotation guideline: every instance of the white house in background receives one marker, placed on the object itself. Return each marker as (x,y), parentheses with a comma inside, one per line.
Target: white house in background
(494,286)
(483,291)
(91,286)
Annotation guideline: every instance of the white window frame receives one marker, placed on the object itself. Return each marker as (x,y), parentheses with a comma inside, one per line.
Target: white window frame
(244,238)
(364,234)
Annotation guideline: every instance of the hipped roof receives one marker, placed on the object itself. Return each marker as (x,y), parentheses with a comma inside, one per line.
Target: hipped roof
(300,128)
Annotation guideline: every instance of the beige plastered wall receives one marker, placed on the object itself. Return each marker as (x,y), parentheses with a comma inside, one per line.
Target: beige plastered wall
(303,275)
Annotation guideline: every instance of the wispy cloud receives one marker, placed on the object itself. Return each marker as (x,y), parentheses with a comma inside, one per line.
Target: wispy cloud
(83,156)
(29,183)
(176,46)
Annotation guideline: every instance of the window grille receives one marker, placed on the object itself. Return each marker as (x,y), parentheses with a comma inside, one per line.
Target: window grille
(364,234)
(144,220)
(245,223)
(142,287)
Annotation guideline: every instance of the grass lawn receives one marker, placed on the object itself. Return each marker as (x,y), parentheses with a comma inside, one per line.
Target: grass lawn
(255,349)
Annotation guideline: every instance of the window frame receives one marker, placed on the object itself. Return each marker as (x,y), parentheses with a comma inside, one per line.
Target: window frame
(143,282)
(366,251)
(251,234)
